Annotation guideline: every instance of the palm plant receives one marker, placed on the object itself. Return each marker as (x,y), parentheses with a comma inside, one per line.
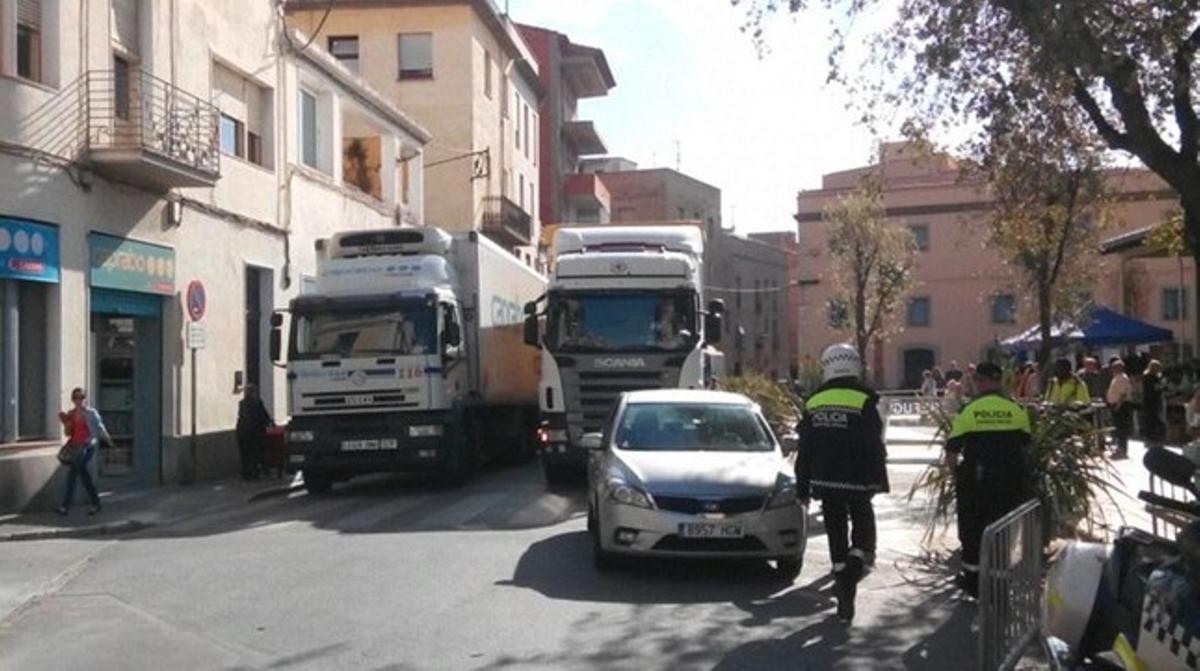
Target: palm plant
(1069,473)
(780,406)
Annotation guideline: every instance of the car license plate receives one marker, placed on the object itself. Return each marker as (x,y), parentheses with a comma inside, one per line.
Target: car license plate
(710,530)
(357,445)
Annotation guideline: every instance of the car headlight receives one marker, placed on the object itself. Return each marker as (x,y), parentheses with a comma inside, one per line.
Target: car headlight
(625,494)
(425,430)
(784,495)
(300,436)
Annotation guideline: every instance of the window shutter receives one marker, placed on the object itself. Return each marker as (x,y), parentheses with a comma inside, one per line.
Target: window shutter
(29,13)
(125,24)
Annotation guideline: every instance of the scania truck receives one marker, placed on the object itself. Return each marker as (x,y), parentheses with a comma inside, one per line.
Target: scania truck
(409,356)
(624,310)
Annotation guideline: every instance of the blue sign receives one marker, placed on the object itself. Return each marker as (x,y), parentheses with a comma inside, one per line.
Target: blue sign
(129,265)
(28,250)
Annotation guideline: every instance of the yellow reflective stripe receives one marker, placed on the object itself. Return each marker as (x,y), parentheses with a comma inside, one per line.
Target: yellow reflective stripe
(991,413)
(1129,658)
(840,398)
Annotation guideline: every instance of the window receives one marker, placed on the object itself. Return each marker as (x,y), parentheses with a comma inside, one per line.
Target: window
(918,311)
(521,191)
(488,66)
(345,49)
(526,131)
(839,313)
(920,233)
(535,138)
(29,39)
(1174,303)
(246,117)
(416,56)
(308,129)
(231,131)
(1004,309)
(517,123)
(737,296)
(121,88)
(759,285)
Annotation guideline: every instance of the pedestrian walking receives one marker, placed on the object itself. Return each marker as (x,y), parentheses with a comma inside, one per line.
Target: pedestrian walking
(252,423)
(987,448)
(929,386)
(85,431)
(1152,417)
(842,461)
(1120,402)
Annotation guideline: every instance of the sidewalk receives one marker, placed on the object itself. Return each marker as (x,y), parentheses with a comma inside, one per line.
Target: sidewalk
(126,511)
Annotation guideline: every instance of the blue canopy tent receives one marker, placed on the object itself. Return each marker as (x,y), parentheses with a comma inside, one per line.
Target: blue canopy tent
(1106,329)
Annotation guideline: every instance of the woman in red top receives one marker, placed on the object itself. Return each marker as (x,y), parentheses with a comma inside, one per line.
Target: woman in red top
(84,429)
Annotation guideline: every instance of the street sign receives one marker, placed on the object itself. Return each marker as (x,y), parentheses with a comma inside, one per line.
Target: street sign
(197,335)
(197,301)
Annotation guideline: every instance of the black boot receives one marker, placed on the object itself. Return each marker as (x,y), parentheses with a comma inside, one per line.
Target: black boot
(846,590)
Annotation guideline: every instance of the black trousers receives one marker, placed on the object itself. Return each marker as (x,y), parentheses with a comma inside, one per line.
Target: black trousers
(1122,419)
(981,499)
(250,448)
(849,523)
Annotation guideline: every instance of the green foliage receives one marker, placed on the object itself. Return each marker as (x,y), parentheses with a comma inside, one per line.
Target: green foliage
(1167,237)
(1069,474)
(872,265)
(780,406)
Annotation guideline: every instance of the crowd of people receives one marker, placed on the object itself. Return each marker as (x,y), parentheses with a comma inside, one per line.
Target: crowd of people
(1135,395)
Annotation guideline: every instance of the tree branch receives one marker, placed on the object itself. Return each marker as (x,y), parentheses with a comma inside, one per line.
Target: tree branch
(1115,138)
(1181,96)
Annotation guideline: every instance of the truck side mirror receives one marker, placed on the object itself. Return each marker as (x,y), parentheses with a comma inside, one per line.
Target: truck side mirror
(531,308)
(452,335)
(716,306)
(713,323)
(532,336)
(276,337)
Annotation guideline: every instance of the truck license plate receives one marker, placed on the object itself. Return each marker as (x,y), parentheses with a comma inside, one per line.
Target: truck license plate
(357,445)
(710,530)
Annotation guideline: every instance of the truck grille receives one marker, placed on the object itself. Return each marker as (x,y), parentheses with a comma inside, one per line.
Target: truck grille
(339,401)
(598,391)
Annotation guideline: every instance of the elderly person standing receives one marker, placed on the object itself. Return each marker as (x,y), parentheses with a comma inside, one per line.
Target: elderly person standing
(1120,402)
(84,430)
(1153,410)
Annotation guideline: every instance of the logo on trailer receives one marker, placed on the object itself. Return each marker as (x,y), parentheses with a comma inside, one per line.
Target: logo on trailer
(358,378)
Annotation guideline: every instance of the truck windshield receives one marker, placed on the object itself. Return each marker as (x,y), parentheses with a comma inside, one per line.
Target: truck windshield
(621,321)
(398,328)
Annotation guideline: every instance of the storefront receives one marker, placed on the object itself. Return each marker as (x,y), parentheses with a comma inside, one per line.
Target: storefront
(28,267)
(128,282)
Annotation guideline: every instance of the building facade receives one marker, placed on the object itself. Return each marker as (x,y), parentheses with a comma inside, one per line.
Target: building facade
(463,71)
(164,172)
(786,241)
(965,299)
(569,72)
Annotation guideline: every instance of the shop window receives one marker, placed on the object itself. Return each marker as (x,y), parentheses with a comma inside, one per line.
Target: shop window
(345,49)
(416,55)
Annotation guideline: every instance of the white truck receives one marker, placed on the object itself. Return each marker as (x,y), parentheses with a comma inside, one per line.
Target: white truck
(624,311)
(409,357)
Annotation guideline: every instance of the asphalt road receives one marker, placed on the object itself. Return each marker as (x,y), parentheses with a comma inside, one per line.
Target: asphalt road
(391,574)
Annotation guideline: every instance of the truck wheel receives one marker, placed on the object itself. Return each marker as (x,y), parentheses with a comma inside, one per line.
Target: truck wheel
(789,569)
(317,483)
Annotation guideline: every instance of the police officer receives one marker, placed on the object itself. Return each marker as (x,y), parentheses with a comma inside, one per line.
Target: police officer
(987,444)
(843,462)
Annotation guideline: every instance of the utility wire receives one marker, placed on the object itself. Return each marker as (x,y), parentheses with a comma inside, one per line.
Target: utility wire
(311,38)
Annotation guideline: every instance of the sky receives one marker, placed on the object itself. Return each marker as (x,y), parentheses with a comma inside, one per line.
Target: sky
(760,128)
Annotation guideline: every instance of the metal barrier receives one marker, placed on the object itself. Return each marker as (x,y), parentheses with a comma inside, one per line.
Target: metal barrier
(1010,587)
(1165,522)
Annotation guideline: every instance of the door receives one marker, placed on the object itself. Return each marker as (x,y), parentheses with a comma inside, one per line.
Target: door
(916,361)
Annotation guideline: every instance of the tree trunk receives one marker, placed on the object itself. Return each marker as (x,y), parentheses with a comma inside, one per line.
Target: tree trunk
(1191,234)
(1044,326)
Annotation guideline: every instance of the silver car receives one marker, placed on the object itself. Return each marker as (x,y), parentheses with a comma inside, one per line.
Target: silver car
(692,474)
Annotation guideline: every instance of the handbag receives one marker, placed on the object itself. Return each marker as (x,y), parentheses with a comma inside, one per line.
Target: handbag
(69,452)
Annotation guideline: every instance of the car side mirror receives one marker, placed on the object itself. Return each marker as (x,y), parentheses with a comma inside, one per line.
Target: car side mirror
(452,335)
(790,444)
(532,336)
(592,441)
(276,340)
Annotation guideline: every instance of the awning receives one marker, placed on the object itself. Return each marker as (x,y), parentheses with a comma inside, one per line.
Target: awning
(1105,328)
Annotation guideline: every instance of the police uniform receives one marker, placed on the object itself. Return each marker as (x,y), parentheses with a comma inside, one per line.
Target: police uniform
(842,461)
(992,435)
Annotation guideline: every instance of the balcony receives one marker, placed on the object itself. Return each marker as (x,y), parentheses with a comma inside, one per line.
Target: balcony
(144,130)
(587,199)
(506,222)
(583,138)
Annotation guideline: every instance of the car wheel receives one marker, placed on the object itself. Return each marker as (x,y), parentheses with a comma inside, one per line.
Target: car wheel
(789,569)
(317,483)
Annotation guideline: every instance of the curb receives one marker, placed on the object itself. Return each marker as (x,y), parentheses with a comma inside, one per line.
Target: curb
(282,490)
(106,529)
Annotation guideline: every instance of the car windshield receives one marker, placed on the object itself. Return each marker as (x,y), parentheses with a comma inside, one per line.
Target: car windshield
(621,321)
(692,427)
(403,328)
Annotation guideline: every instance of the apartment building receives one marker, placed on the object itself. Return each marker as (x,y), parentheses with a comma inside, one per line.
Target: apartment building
(749,275)
(965,299)
(786,241)
(569,72)
(463,71)
(165,169)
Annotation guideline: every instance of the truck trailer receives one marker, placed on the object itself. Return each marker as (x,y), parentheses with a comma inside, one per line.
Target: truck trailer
(409,357)
(624,310)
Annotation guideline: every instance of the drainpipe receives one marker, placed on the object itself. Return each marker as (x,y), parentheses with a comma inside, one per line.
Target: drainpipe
(8,385)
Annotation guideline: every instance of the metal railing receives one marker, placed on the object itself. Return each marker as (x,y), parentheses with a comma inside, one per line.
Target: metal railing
(1166,522)
(133,109)
(503,217)
(1010,587)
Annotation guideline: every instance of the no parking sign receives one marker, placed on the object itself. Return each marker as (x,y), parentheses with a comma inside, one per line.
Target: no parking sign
(197,301)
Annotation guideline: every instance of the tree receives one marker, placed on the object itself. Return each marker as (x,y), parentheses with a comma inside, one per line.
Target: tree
(1045,174)
(872,263)
(1127,65)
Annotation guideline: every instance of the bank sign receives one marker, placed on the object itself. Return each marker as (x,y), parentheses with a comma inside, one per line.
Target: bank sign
(129,265)
(28,250)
